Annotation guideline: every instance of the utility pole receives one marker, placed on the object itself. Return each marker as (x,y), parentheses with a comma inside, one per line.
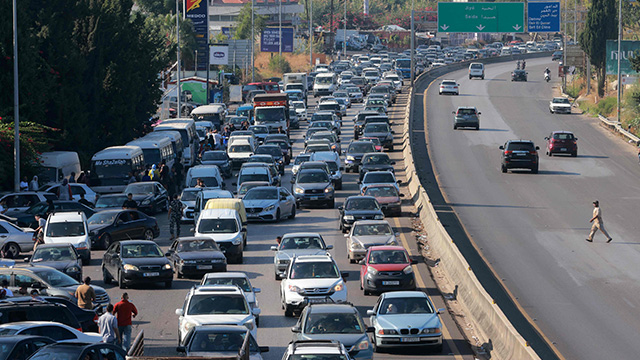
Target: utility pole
(16,112)
(253,40)
(280,36)
(178,110)
(311,33)
(333,38)
(564,50)
(619,55)
(413,44)
(344,40)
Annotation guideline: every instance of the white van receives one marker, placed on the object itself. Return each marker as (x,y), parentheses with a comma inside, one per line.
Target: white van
(240,150)
(210,174)
(69,228)
(476,70)
(190,141)
(253,174)
(58,165)
(110,168)
(224,226)
(176,141)
(325,84)
(155,150)
(214,113)
(505,51)
(206,195)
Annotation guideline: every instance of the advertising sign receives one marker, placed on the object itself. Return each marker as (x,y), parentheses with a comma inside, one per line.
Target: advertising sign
(543,16)
(270,40)
(628,49)
(219,55)
(480,17)
(197,11)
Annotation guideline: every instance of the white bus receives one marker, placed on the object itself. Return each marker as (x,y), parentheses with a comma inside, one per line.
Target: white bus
(187,129)
(176,141)
(155,150)
(110,168)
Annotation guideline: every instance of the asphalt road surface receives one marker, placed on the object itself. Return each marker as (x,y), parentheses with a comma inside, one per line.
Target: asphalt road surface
(157,305)
(531,228)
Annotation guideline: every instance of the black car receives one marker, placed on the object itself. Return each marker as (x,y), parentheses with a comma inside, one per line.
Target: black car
(87,318)
(519,75)
(20,347)
(359,120)
(275,151)
(224,340)
(108,226)
(136,261)
(557,55)
(62,257)
(79,351)
(219,158)
(26,218)
(519,154)
(355,152)
(376,161)
(150,196)
(313,186)
(24,308)
(196,256)
(359,208)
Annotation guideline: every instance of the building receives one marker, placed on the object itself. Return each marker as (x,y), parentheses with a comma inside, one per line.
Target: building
(224,13)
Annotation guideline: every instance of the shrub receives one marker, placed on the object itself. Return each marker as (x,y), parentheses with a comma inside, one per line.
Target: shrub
(279,64)
(607,105)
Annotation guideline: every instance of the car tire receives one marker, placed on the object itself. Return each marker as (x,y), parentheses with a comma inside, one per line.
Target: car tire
(106,241)
(391,148)
(293,213)
(168,284)
(478,127)
(106,278)
(12,250)
(504,169)
(239,258)
(277,215)
(437,349)
(331,204)
(288,311)
(87,261)
(148,234)
(455,127)
(121,283)
(339,185)
(534,170)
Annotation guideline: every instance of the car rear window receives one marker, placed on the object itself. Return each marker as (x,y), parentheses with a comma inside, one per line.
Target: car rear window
(476,66)
(51,313)
(466,111)
(449,83)
(563,136)
(515,146)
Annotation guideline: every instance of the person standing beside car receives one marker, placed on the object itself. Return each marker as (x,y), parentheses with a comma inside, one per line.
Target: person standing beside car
(108,325)
(39,231)
(86,295)
(175,214)
(64,191)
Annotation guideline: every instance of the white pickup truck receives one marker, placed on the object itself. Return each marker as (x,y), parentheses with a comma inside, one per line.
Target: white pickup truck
(560,105)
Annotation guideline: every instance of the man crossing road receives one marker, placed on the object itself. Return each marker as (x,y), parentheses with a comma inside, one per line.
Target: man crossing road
(597,223)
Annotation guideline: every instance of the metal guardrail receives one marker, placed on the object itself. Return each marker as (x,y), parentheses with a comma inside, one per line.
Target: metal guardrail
(137,347)
(617,126)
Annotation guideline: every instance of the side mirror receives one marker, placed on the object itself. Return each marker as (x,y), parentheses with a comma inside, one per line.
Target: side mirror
(234,184)
(293,181)
(501,147)
(344,275)
(393,132)
(346,235)
(396,234)
(193,230)
(479,113)
(257,290)
(537,147)
(255,311)
(37,285)
(296,329)
(26,259)
(362,262)
(371,329)
(263,349)
(546,138)
(181,349)
(370,313)
(274,248)
(179,312)
(392,163)
(414,262)
(167,254)
(340,208)
(342,167)
(441,310)
(399,182)
(401,195)
(453,112)
(243,229)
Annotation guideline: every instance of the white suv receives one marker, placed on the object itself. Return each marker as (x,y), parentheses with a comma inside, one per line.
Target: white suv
(312,279)
(69,228)
(215,305)
(476,70)
(323,349)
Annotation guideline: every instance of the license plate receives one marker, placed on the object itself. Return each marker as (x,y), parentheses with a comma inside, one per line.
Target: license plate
(204,267)
(151,274)
(521,154)
(563,149)
(391,283)
(317,301)
(411,339)
(315,198)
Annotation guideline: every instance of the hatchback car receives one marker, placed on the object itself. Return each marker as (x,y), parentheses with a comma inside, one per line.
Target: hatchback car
(357,208)
(388,197)
(519,154)
(466,116)
(449,87)
(20,347)
(367,233)
(108,226)
(386,268)
(218,158)
(562,142)
(381,131)
(136,261)
(376,162)
(196,256)
(314,186)
(297,244)
(151,196)
(15,240)
(378,177)
(355,152)
(519,75)
(269,203)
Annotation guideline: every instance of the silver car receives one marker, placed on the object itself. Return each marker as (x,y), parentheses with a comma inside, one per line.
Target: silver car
(269,203)
(367,233)
(296,244)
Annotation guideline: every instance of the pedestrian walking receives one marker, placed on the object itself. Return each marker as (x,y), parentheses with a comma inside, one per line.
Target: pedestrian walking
(84,201)
(33,185)
(72,178)
(175,214)
(108,325)
(39,231)
(85,294)
(597,223)
(64,191)
(124,311)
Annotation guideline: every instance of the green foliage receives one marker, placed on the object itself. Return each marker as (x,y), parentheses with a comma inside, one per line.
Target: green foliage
(635,61)
(279,64)
(157,6)
(601,24)
(607,105)
(243,28)
(573,90)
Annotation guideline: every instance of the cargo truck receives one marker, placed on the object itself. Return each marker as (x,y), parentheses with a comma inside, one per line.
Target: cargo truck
(272,110)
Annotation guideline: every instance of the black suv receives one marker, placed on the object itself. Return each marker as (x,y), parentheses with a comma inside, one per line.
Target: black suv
(377,161)
(25,309)
(359,208)
(520,154)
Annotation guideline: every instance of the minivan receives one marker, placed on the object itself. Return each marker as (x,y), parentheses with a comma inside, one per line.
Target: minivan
(476,70)
(204,196)
(69,228)
(224,226)
(210,174)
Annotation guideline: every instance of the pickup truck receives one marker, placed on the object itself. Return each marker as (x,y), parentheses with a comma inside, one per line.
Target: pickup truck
(560,105)
(272,110)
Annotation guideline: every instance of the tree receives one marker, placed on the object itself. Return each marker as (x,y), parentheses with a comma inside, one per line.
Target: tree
(243,29)
(601,25)
(635,61)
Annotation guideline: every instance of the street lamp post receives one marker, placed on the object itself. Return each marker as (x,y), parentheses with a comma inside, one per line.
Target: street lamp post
(619,55)
(311,33)
(253,40)
(344,40)
(178,110)
(280,27)
(16,112)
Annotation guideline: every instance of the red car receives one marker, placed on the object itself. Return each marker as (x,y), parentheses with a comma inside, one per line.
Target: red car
(386,268)
(388,197)
(562,142)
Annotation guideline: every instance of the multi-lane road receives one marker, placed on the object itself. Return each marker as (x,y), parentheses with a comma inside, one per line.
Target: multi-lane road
(157,305)
(531,228)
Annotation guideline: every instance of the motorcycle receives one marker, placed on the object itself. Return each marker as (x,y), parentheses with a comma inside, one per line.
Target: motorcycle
(547,77)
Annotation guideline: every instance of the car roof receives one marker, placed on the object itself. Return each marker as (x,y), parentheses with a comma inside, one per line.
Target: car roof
(228,274)
(217,289)
(352,197)
(27,324)
(332,308)
(219,214)
(562,132)
(404,294)
(387,247)
(301,234)
(65,216)
(137,242)
(371,222)
(314,258)
(221,328)
(466,107)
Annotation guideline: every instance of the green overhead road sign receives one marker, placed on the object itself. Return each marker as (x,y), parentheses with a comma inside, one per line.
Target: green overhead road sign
(480,17)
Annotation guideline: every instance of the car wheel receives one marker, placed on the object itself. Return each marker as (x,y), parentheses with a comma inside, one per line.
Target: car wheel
(87,261)
(375,345)
(240,258)
(12,250)
(106,241)
(288,311)
(331,204)
(551,111)
(391,148)
(179,275)
(574,154)
(478,127)
(504,169)
(167,284)
(455,127)
(437,349)
(277,215)
(121,283)
(293,213)
(534,170)
(106,278)
(148,234)
(276,277)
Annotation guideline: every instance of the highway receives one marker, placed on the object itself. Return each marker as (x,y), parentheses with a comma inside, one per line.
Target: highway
(531,228)
(157,306)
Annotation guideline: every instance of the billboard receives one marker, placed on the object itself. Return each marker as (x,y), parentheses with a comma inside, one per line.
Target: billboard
(270,40)
(628,48)
(219,55)
(543,16)
(198,12)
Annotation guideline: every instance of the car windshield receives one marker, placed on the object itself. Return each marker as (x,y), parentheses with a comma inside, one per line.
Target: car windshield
(208,181)
(466,111)
(362,204)
(214,155)
(245,187)
(259,129)
(317,357)
(377,128)
(55,352)
(110,201)
(324,80)
(197,245)
(361,148)
(244,177)
(217,304)
(352,90)
(262,194)
(102,218)
(417,305)
(322,125)
(376,160)
(299,105)
(217,226)
(141,251)
(372,230)
(40,208)
(274,151)
(327,106)
(63,253)
(301,158)
(266,114)
(561,101)
(334,323)
(189,195)
(388,257)
(55,278)
(240,282)
(313,177)
(371,73)
(301,242)
(140,188)
(308,270)
(64,229)
(378,177)
(340,95)
(387,191)
(207,341)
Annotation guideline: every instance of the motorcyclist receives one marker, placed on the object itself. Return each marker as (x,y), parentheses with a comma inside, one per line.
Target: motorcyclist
(518,65)
(547,71)
(524,64)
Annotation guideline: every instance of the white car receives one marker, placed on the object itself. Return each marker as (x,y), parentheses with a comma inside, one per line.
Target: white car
(560,105)
(311,279)
(367,233)
(215,305)
(449,87)
(188,199)
(21,201)
(378,178)
(56,331)
(69,228)
(301,109)
(235,278)
(14,239)
(76,190)
(316,349)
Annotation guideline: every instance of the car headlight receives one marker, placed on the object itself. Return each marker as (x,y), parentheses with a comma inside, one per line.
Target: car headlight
(269,208)
(294,289)
(249,325)
(187,326)
(167,267)
(408,270)
(431,331)
(355,244)
(129,267)
(328,189)
(349,217)
(72,269)
(351,158)
(378,217)
(362,345)
(371,270)
(146,202)
(387,332)
(237,241)
(81,245)
(392,241)
(338,287)
(298,190)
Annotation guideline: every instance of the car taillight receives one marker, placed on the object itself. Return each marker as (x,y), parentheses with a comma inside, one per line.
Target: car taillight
(508,152)
(79,329)
(96,318)
(532,152)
